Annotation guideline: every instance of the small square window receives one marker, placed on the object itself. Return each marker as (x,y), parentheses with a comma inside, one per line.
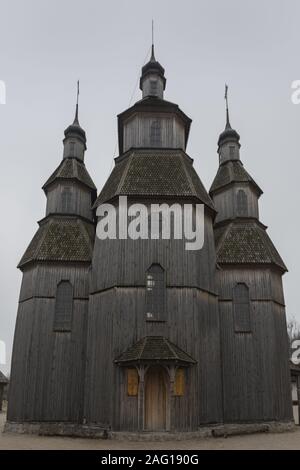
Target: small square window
(150,282)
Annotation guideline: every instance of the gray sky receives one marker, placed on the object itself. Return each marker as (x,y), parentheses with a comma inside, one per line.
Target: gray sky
(45,46)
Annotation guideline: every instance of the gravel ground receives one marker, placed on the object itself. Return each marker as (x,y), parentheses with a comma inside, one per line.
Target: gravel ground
(288,440)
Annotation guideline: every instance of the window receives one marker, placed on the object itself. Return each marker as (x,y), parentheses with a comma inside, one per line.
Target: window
(66,202)
(231,151)
(242,203)
(153,87)
(179,384)
(155,133)
(63,307)
(132,382)
(155,293)
(241,306)
(72,149)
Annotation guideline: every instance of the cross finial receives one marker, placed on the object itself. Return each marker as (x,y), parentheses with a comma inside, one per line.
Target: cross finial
(152,46)
(227,111)
(77,101)
(152,32)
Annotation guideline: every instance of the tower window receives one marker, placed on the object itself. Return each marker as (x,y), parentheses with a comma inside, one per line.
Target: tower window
(63,307)
(72,149)
(153,87)
(155,134)
(155,293)
(242,203)
(241,306)
(231,151)
(66,200)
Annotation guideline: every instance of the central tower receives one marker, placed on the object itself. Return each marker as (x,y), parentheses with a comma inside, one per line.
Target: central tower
(153,354)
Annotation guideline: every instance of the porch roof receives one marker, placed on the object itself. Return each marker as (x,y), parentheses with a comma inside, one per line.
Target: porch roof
(154,349)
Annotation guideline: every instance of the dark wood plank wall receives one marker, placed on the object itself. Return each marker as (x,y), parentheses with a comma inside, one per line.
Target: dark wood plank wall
(48,367)
(81,199)
(137,131)
(117,320)
(124,262)
(256,380)
(50,375)
(226,202)
(192,324)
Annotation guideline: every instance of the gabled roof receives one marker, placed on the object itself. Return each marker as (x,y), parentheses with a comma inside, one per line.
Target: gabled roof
(154,348)
(71,168)
(245,241)
(3,379)
(232,171)
(154,172)
(61,239)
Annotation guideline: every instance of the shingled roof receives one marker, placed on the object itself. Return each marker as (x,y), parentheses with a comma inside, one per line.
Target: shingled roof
(245,242)
(3,379)
(154,348)
(71,168)
(230,172)
(154,172)
(61,239)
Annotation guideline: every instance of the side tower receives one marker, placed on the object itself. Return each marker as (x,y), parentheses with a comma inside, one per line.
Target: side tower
(256,381)
(48,360)
(153,356)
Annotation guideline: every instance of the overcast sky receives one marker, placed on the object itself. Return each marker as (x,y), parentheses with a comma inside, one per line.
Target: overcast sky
(45,46)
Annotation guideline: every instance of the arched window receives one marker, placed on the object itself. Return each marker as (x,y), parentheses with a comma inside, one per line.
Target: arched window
(66,200)
(241,306)
(155,293)
(155,133)
(63,307)
(242,203)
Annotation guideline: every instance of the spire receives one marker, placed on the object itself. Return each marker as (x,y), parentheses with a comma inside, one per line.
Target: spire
(153,81)
(228,126)
(75,131)
(229,134)
(152,59)
(76,122)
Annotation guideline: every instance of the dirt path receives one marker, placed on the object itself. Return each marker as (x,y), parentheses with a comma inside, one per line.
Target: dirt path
(290,440)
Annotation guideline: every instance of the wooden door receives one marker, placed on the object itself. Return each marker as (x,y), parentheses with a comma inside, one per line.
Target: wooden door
(155,399)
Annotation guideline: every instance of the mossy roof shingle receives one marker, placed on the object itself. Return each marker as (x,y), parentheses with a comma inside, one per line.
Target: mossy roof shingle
(245,242)
(156,172)
(61,239)
(70,168)
(230,172)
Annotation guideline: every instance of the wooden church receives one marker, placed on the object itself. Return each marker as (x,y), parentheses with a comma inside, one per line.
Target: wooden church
(144,335)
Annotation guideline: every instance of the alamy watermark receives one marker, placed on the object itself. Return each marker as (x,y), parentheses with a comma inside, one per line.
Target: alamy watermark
(295,348)
(2,92)
(2,353)
(154,221)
